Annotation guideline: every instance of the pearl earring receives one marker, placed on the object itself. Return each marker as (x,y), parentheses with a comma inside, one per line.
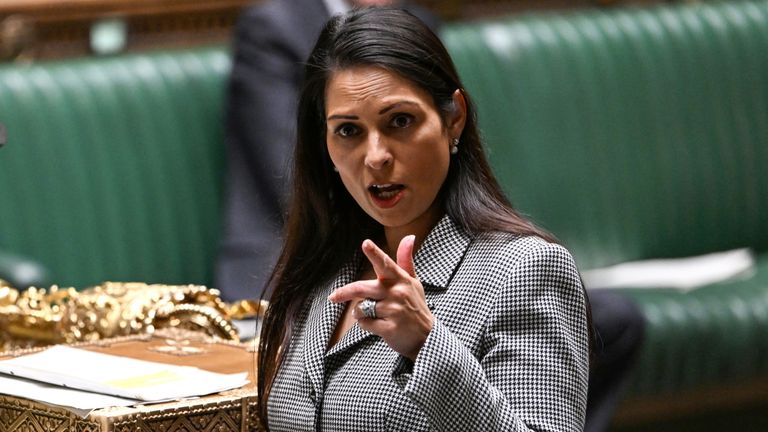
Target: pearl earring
(335,169)
(454,146)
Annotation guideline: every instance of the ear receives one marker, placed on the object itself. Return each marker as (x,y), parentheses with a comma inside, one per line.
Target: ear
(458,117)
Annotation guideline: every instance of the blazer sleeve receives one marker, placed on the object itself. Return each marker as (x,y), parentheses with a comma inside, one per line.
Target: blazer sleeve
(533,371)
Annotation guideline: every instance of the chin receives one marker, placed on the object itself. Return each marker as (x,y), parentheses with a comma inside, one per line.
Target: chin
(388,221)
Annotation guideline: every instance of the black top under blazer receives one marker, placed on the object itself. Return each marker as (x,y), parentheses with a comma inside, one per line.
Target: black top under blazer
(508,350)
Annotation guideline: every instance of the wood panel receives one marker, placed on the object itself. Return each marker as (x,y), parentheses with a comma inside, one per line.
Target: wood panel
(43,29)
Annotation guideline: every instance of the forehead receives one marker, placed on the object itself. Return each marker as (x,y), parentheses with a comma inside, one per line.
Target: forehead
(363,84)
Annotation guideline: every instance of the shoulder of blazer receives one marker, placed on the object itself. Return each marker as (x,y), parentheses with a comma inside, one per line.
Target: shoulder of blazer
(507,246)
(503,256)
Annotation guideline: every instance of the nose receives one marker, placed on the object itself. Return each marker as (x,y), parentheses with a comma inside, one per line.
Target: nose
(377,154)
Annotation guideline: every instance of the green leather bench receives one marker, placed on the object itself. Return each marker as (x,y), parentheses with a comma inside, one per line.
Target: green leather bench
(631,134)
(638,134)
(113,168)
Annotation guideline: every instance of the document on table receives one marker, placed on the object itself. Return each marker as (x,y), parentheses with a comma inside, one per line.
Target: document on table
(681,273)
(78,401)
(119,376)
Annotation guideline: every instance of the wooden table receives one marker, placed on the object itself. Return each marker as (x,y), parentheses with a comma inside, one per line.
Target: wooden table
(233,410)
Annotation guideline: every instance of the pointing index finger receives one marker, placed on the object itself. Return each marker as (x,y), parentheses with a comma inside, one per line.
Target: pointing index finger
(385,268)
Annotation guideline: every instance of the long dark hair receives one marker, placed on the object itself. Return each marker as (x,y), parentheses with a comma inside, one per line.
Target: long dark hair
(325,226)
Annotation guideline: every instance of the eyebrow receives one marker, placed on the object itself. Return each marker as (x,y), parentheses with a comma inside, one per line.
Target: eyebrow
(343,117)
(397,104)
(383,111)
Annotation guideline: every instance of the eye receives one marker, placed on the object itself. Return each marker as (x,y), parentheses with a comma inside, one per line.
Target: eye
(401,120)
(346,130)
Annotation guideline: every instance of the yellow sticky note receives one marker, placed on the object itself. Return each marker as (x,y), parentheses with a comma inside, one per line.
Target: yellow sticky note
(148,380)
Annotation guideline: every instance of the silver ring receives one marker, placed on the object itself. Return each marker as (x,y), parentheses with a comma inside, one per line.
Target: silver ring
(368,308)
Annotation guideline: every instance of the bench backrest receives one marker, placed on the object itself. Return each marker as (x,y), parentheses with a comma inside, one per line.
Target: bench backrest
(631,134)
(113,167)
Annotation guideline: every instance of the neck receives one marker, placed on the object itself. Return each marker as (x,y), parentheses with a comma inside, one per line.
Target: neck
(420,228)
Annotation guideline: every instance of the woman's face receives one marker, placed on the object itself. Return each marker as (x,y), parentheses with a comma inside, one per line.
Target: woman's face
(391,149)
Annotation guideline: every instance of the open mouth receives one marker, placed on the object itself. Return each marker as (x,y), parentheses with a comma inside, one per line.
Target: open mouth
(386,195)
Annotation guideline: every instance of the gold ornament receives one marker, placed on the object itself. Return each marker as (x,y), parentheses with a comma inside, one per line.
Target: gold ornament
(39,317)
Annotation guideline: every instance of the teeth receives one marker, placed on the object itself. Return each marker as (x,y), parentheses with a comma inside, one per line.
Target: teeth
(387,195)
(385,191)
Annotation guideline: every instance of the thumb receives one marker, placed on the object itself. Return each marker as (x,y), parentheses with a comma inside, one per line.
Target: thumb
(405,254)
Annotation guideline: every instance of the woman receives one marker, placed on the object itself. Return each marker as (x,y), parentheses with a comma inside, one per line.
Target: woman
(409,295)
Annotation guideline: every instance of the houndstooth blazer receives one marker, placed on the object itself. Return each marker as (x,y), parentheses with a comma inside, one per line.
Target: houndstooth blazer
(508,350)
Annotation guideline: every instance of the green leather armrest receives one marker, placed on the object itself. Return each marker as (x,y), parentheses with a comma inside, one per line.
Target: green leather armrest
(22,272)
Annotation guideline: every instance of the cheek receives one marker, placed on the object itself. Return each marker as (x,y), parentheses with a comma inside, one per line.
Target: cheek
(441,161)
(440,170)
(340,158)
(431,166)
(439,155)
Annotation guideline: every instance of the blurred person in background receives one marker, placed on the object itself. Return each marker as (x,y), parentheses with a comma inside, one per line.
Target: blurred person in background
(271,44)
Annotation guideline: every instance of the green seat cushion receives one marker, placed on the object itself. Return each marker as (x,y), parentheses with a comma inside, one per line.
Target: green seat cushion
(631,134)
(711,335)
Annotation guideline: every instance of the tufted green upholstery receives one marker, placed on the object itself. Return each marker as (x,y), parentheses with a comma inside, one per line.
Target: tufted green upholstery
(636,134)
(631,134)
(112,169)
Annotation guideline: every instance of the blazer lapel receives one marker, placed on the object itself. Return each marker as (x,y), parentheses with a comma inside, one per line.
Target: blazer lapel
(321,322)
(439,256)
(350,339)
(355,334)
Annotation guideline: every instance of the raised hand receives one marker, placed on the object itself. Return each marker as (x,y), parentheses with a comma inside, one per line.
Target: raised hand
(403,318)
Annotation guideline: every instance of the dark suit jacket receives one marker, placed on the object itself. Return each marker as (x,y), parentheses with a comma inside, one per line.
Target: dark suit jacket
(272,41)
(508,350)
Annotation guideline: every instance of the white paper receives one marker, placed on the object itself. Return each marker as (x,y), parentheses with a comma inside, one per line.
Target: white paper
(78,401)
(119,376)
(680,273)
(247,329)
